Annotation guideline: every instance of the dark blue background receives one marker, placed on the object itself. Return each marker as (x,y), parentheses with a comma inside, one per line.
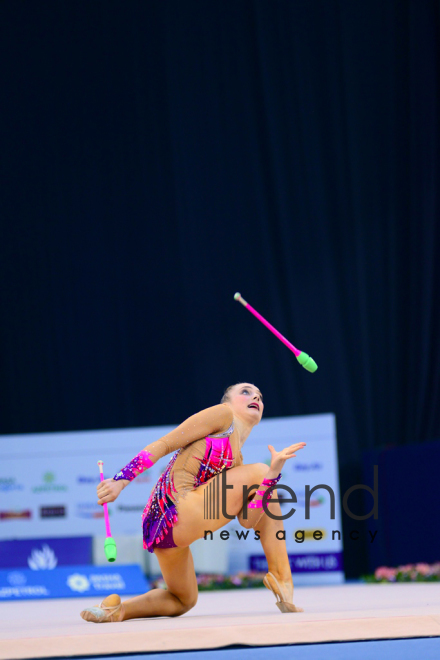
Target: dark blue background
(157,156)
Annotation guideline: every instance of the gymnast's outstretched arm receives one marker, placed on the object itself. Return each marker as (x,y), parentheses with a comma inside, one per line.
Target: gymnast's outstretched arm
(209,421)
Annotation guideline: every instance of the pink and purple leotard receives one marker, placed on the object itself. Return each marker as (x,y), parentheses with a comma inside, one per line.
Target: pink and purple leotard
(189,467)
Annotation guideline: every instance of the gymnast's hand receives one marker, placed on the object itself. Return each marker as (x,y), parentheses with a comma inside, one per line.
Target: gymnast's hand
(108,490)
(280,457)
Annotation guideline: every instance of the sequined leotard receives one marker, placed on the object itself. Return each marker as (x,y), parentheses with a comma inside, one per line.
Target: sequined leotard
(194,463)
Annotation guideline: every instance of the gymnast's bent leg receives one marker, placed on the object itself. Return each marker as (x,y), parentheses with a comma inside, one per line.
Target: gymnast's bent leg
(177,567)
(274,548)
(192,526)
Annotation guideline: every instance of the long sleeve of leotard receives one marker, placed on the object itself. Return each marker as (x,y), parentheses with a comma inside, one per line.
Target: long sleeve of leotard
(209,421)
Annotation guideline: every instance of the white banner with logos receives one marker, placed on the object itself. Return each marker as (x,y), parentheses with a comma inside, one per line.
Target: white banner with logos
(48,488)
(48,482)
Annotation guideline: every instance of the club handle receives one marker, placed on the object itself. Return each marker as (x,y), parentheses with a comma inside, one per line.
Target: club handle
(104,506)
(241,300)
(268,325)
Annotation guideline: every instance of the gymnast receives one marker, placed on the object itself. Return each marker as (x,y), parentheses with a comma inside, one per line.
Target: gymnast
(203,446)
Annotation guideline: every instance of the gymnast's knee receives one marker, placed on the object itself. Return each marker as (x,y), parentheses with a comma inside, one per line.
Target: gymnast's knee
(186,604)
(261,469)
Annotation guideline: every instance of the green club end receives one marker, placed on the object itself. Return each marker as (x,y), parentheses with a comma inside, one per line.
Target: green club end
(307,362)
(110,548)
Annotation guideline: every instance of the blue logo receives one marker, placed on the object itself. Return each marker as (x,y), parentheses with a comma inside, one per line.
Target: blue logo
(9,483)
(307,467)
(90,510)
(88,480)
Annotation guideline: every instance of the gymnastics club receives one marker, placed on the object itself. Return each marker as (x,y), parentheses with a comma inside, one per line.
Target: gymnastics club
(305,360)
(109,543)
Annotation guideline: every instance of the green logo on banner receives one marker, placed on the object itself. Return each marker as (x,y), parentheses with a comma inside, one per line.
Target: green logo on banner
(49,484)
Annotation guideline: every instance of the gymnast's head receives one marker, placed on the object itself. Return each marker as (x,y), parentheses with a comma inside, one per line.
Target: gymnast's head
(245,400)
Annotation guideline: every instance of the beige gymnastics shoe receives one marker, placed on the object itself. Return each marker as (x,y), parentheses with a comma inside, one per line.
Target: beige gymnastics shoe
(106,612)
(271,583)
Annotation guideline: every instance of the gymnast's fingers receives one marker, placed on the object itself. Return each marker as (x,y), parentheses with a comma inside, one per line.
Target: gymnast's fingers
(102,487)
(289,450)
(296,447)
(102,497)
(106,499)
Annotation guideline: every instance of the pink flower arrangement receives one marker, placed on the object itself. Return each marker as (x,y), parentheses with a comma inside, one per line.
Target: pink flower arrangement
(423,569)
(241,580)
(385,573)
(420,572)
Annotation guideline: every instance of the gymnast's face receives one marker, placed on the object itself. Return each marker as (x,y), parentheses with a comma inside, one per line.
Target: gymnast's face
(247,402)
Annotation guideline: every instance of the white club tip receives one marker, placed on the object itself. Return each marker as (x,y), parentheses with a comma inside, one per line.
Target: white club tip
(240,299)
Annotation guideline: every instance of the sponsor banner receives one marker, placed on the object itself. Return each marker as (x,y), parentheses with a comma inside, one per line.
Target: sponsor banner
(52,511)
(53,497)
(129,508)
(310,563)
(9,484)
(49,484)
(71,581)
(45,554)
(91,510)
(24,514)
(49,487)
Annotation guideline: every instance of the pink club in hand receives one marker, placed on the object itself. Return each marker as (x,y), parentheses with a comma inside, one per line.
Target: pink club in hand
(109,544)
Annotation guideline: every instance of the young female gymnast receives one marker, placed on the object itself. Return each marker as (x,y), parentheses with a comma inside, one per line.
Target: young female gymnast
(204,445)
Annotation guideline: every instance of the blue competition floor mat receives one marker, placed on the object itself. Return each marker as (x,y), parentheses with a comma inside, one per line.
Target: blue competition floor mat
(396,649)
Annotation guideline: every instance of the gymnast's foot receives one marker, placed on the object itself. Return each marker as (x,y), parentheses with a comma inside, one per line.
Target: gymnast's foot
(283,591)
(110,610)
